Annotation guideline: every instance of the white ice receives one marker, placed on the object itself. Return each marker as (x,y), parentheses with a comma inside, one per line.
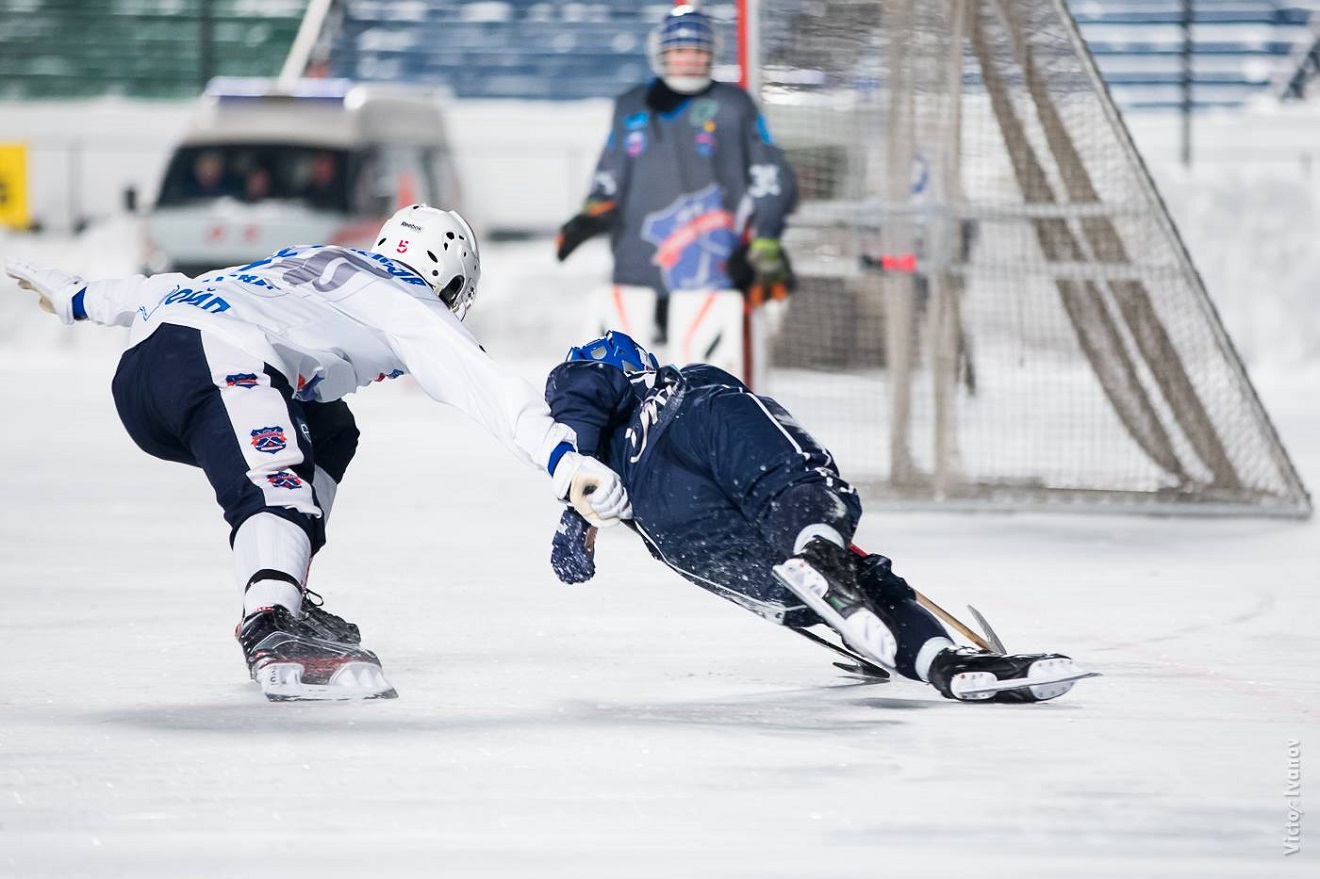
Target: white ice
(633,726)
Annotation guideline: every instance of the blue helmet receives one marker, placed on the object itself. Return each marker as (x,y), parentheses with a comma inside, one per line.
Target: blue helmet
(616,349)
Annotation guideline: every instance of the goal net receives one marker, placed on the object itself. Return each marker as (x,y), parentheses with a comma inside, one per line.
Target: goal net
(995,308)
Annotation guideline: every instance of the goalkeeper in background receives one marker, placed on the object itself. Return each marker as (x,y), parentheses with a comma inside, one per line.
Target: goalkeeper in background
(691,188)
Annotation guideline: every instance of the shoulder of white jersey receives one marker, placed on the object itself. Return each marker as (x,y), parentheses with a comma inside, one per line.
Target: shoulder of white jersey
(395,269)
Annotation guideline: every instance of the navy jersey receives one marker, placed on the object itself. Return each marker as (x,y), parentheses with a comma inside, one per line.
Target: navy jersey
(691,176)
(706,463)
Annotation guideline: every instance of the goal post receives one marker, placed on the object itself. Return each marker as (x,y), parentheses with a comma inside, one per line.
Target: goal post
(996,309)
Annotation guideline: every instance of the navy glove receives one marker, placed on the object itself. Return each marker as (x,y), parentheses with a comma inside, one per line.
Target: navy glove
(573,550)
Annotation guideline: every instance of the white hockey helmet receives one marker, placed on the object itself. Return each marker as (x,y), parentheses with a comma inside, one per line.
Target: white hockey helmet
(440,247)
(684,27)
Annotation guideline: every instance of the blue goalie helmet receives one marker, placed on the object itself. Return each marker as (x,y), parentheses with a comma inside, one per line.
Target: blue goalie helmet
(617,349)
(685,27)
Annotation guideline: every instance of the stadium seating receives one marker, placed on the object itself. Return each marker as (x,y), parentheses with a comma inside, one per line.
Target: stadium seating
(1240,48)
(567,49)
(138,48)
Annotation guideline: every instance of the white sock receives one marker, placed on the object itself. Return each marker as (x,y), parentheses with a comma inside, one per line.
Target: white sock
(267,542)
(926,655)
(818,530)
(268,593)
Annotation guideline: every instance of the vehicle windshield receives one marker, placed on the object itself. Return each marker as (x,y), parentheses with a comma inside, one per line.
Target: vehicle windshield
(315,176)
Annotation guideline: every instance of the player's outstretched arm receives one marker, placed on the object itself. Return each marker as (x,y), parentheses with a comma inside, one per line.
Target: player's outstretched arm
(59,292)
(108,302)
(608,184)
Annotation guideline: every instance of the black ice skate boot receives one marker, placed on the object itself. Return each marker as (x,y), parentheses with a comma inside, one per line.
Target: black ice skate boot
(292,660)
(824,576)
(971,675)
(328,625)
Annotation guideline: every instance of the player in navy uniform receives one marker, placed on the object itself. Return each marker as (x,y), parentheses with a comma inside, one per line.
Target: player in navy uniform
(725,485)
(242,373)
(690,186)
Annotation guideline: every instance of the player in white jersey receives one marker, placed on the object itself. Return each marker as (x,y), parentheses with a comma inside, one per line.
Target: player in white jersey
(241,372)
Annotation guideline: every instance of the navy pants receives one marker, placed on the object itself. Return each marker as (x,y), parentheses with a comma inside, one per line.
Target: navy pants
(730,484)
(187,397)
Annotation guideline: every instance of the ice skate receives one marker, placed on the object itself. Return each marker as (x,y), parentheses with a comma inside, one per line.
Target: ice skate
(824,577)
(971,675)
(293,660)
(328,625)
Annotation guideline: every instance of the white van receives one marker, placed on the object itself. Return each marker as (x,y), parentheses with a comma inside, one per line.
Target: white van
(319,162)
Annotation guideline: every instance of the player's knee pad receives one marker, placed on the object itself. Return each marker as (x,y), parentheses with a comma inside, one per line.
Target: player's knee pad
(803,505)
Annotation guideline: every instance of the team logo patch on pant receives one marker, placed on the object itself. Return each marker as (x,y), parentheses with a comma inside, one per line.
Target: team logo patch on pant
(241,380)
(269,440)
(284,479)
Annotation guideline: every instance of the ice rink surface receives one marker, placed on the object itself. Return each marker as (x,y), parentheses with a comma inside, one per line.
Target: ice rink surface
(634,726)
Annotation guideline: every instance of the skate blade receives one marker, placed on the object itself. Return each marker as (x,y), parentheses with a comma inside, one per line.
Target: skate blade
(353,681)
(863,631)
(1045,679)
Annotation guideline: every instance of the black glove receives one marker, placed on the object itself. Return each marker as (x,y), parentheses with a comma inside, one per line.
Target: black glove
(596,217)
(761,269)
(573,550)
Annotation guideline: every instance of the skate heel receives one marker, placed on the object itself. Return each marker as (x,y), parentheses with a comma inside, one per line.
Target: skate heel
(1059,674)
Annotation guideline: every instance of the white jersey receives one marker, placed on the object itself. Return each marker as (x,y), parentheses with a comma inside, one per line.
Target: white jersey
(332,320)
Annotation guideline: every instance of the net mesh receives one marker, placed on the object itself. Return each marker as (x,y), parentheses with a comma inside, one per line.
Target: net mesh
(994,305)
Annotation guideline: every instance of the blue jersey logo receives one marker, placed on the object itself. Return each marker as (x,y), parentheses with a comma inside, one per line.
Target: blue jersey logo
(693,238)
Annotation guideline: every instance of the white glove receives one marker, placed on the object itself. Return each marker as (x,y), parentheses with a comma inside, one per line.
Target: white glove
(593,489)
(56,288)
